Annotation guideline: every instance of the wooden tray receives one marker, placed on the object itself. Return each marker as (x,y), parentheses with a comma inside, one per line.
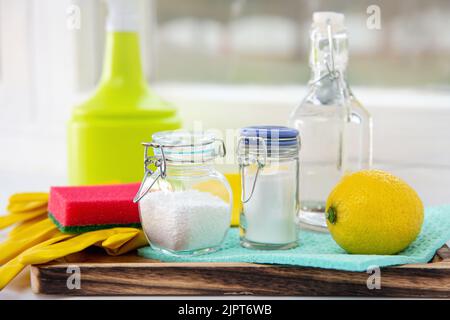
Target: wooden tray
(132,275)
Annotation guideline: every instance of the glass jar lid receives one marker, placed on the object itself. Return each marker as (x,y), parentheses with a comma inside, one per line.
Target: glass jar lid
(187,146)
(274,141)
(177,146)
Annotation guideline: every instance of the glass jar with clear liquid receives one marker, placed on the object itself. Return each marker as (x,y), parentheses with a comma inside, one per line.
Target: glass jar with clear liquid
(336,129)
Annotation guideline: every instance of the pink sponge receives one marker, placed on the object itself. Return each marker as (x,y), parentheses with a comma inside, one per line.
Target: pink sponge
(86,208)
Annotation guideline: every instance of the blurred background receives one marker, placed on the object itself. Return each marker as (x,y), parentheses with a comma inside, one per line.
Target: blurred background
(227,63)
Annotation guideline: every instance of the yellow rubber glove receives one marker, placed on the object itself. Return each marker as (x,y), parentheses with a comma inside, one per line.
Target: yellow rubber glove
(25,225)
(78,243)
(138,241)
(27,202)
(23,207)
(11,269)
(115,241)
(37,240)
(23,240)
(10,219)
(26,197)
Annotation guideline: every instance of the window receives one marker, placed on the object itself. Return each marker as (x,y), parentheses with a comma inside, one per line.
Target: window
(266,42)
(213,58)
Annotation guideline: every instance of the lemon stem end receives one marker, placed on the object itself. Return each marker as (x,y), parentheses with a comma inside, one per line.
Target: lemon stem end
(331,215)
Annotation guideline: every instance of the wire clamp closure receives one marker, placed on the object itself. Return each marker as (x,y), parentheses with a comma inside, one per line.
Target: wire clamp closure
(245,160)
(149,162)
(332,73)
(160,163)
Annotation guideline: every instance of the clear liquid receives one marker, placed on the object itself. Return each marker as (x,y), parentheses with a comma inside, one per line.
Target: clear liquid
(322,158)
(269,217)
(335,129)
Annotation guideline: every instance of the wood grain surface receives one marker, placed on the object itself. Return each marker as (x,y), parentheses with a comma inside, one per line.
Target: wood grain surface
(133,275)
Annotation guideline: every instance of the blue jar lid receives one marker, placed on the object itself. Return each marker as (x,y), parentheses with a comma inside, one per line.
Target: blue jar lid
(280,135)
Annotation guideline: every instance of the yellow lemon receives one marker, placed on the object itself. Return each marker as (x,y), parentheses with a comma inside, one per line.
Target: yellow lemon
(216,187)
(374,212)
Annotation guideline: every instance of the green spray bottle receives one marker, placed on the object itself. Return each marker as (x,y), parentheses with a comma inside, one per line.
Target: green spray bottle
(106,131)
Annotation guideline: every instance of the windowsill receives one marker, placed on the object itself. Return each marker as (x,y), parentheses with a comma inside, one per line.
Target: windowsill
(410,126)
(411,132)
(292,95)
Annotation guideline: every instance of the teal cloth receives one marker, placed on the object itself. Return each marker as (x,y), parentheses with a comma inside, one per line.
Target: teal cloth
(319,249)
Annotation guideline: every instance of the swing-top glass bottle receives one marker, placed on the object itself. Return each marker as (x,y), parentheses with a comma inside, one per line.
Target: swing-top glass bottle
(336,128)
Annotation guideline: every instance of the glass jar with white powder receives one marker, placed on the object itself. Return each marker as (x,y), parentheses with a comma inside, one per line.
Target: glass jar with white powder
(269,167)
(184,202)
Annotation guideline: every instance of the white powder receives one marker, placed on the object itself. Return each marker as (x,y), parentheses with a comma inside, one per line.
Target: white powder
(184,220)
(271,212)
